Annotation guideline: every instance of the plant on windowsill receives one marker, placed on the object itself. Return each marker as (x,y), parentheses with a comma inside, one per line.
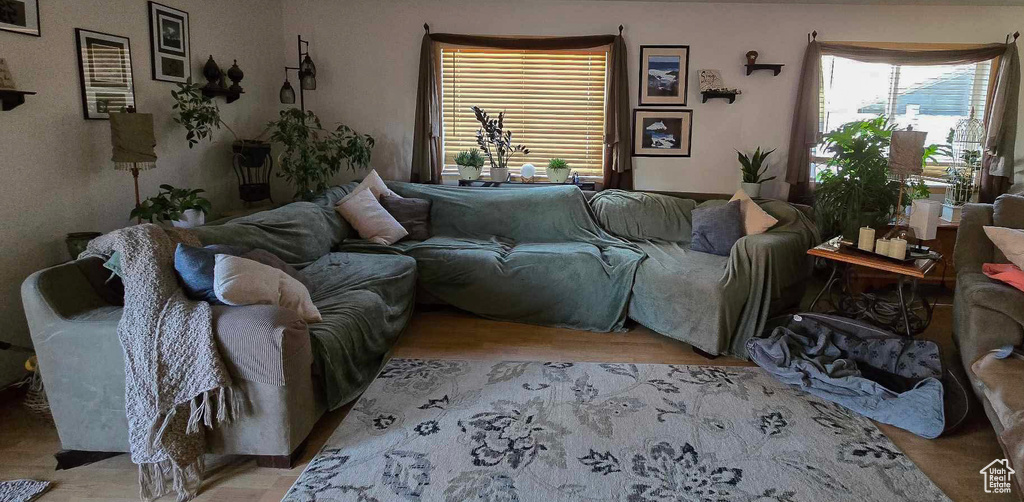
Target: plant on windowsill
(313,155)
(750,168)
(199,115)
(558,170)
(496,143)
(471,164)
(856,191)
(183,207)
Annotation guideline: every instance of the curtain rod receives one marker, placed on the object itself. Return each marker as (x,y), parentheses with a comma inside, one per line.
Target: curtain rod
(426,27)
(814,35)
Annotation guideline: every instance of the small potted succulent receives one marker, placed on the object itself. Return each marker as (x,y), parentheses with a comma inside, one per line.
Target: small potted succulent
(471,164)
(558,170)
(182,207)
(496,143)
(752,171)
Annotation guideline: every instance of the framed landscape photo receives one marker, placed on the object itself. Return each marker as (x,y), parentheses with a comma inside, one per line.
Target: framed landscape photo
(169,39)
(662,133)
(105,68)
(20,16)
(663,75)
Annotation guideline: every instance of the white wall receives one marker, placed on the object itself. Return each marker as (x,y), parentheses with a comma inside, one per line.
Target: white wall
(55,171)
(367,53)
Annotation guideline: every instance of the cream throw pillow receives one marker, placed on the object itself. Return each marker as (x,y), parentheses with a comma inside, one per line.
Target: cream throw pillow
(363,211)
(374,184)
(1010,241)
(755,220)
(240,281)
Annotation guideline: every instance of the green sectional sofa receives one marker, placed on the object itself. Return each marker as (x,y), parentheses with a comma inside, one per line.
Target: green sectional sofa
(715,303)
(538,256)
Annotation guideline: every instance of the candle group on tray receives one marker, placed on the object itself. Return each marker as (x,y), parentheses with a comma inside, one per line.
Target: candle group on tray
(893,248)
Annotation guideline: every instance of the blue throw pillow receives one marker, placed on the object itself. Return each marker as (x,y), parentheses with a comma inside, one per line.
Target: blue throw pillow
(717,228)
(195,268)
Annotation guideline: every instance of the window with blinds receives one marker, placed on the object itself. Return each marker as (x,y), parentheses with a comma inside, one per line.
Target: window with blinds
(553,103)
(929,98)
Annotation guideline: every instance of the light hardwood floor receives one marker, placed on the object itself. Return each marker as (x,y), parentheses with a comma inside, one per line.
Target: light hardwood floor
(27,446)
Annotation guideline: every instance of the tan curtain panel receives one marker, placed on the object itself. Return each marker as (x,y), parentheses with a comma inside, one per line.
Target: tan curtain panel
(427,136)
(805,132)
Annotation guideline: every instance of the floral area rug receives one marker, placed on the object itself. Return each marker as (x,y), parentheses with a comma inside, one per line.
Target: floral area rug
(532,431)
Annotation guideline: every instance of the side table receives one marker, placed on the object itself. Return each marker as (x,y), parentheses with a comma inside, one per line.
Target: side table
(909,312)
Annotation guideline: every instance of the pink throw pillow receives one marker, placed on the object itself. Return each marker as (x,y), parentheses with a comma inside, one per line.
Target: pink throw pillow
(1005,272)
(362,210)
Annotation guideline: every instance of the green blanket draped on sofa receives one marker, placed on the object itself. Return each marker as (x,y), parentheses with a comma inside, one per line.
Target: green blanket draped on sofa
(533,255)
(715,303)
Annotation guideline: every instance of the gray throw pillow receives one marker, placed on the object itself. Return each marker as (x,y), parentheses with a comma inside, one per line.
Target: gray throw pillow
(717,228)
(412,214)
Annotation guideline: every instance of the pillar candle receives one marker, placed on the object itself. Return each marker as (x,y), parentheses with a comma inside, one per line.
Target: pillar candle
(898,249)
(867,239)
(882,246)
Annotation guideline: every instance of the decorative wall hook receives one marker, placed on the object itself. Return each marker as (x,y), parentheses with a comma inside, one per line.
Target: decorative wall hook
(426,27)
(620,29)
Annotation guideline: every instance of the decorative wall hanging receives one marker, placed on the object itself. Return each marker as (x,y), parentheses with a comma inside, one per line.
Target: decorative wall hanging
(216,81)
(662,133)
(10,96)
(20,16)
(663,75)
(712,85)
(105,68)
(169,38)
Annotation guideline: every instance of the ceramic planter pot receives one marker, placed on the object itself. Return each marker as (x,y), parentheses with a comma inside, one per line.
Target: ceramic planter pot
(499,174)
(752,189)
(190,218)
(470,172)
(558,175)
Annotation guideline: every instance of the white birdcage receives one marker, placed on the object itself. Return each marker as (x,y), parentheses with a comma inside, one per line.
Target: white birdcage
(966,146)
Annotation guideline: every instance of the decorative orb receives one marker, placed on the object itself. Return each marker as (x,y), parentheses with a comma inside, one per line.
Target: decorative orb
(528,170)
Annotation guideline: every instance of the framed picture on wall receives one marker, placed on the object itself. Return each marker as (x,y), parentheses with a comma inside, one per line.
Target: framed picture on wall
(20,16)
(662,133)
(663,75)
(105,68)
(169,39)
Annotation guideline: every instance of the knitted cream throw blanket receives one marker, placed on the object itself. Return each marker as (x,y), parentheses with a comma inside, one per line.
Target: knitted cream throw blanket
(176,384)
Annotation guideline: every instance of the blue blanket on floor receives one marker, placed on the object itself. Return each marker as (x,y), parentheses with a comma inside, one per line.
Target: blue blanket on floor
(882,376)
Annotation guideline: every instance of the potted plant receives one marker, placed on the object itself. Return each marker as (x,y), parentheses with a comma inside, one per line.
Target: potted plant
(200,116)
(182,207)
(313,155)
(496,143)
(471,164)
(752,171)
(558,170)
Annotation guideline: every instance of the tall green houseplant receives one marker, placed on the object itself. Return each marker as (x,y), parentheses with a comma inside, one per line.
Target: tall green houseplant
(856,190)
(313,155)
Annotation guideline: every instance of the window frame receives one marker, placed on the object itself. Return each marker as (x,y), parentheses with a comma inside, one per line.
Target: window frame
(929,176)
(451,172)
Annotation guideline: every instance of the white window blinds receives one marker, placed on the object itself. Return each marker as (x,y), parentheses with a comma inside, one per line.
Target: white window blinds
(553,103)
(929,98)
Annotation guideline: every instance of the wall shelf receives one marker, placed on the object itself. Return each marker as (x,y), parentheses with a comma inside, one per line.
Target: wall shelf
(10,99)
(775,68)
(730,95)
(230,95)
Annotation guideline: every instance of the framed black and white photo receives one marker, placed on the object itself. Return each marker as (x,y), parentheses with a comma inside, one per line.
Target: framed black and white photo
(663,75)
(662,133)
(169,40)
(20,16)
(105,68)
